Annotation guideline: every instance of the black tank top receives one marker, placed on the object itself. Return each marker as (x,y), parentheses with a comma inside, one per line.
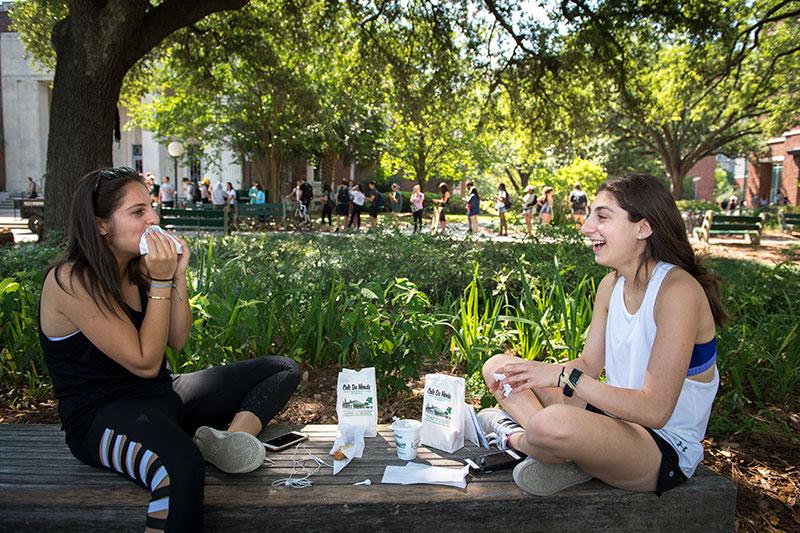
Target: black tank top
(86,379)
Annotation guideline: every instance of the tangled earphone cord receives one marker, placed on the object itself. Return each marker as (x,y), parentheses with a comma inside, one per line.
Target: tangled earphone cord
(299,464)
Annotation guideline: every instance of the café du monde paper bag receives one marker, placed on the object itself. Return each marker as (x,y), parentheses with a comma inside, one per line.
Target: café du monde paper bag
(443,413)
(357,399)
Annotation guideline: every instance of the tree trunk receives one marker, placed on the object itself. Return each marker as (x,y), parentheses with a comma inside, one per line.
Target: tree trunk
(95,47)
(86,86)
(676,173)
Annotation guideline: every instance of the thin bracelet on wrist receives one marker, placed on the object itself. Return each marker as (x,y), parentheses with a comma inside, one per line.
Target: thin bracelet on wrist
(560,377)
(161,285)
(159,298)
(171,280)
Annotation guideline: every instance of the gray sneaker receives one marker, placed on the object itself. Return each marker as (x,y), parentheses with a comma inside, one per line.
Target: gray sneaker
(542,479)
(498,425)
(232,452)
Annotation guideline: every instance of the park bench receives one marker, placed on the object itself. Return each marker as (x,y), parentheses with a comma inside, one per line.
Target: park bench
(199,219)
(789,221)
(718,224)
(43,488)
(261,212)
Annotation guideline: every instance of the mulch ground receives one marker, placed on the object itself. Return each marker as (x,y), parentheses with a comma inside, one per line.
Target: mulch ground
(765,468)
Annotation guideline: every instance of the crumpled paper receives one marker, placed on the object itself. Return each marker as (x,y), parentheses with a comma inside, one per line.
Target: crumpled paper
(350,442)
(143,250)
(500,378)
(417,473)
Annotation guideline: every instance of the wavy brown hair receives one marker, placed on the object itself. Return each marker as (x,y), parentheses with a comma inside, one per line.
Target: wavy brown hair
(97,195)
(643,196)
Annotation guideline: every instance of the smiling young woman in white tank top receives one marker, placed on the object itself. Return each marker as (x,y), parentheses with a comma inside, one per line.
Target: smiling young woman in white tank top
(653,333)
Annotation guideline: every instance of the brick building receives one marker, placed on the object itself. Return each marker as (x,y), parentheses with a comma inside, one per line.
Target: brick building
(772,175)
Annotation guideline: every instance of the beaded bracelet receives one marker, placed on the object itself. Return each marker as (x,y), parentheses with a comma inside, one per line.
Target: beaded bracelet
(161,285)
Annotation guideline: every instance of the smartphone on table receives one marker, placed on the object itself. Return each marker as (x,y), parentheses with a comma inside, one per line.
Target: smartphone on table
(287,440)
(494,461)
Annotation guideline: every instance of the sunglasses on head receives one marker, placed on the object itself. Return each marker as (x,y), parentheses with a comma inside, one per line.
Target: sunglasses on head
(110,174)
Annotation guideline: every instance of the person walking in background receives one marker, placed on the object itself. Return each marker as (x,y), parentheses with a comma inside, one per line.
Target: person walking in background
(218,196)
(187,197)
(32,193)
(528,208)
(440,208)
(396,204)
(579,202)
(261,197)
(376,203)
(342,204)
(417,200)
(166,193)
(253,192)
(473,206)
(546,205)
(501,200)
(205,193)
(232,199)
(328,202)
(358,204)
(150,180)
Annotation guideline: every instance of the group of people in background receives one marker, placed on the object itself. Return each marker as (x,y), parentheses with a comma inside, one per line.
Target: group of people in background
(166,193)
(348,201)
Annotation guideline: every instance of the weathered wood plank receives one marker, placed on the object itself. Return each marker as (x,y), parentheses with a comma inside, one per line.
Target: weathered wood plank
(42,487)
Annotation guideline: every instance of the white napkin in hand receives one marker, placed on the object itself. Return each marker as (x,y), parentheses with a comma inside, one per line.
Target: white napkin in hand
(350,442)
(152,229)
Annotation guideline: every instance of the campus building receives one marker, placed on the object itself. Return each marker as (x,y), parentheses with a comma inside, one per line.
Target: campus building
(772,175)
(769,177)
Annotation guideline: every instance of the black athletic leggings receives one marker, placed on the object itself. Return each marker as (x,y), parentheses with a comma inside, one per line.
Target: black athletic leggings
(327,211)
(355,216)
(417,219)
(149,441)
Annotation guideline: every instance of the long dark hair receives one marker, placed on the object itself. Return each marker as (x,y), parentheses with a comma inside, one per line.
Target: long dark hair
(644,197)
(97,195)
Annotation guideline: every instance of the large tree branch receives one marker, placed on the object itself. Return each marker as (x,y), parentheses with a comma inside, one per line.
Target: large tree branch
(164,19)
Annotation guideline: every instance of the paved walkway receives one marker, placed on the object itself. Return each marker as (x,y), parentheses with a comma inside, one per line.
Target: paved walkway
(18,226)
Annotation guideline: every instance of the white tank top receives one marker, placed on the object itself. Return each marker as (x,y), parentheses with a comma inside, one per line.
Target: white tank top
(629,341)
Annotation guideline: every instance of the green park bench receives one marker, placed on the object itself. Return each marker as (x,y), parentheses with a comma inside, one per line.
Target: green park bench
(198,219)
(43,488)
(717,224)
(261,212)
(789,221)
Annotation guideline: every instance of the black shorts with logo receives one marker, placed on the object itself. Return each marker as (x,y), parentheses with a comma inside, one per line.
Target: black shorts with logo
(669,473)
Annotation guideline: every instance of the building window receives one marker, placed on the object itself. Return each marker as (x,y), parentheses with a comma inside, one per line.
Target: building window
(775,193)
(137,157)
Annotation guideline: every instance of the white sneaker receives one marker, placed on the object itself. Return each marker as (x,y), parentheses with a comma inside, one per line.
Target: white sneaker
(543,479)
(232,452)
(498,425)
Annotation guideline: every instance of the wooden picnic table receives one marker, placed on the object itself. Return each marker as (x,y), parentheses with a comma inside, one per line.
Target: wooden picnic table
(43,488)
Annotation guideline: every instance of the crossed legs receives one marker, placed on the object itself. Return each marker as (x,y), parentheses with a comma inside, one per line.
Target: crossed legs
(620,453)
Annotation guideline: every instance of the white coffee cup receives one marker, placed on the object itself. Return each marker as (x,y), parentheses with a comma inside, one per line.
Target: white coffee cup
(406,437)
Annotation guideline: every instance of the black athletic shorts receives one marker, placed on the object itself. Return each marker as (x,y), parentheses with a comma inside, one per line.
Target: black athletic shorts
(669,473)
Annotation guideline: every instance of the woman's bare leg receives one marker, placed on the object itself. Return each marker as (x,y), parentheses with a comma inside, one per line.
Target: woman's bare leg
(619,453)
(247,422)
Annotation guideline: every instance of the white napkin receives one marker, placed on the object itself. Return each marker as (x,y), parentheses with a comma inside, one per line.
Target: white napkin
(500,378)
(350,441)
(152,229)
(417,473)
